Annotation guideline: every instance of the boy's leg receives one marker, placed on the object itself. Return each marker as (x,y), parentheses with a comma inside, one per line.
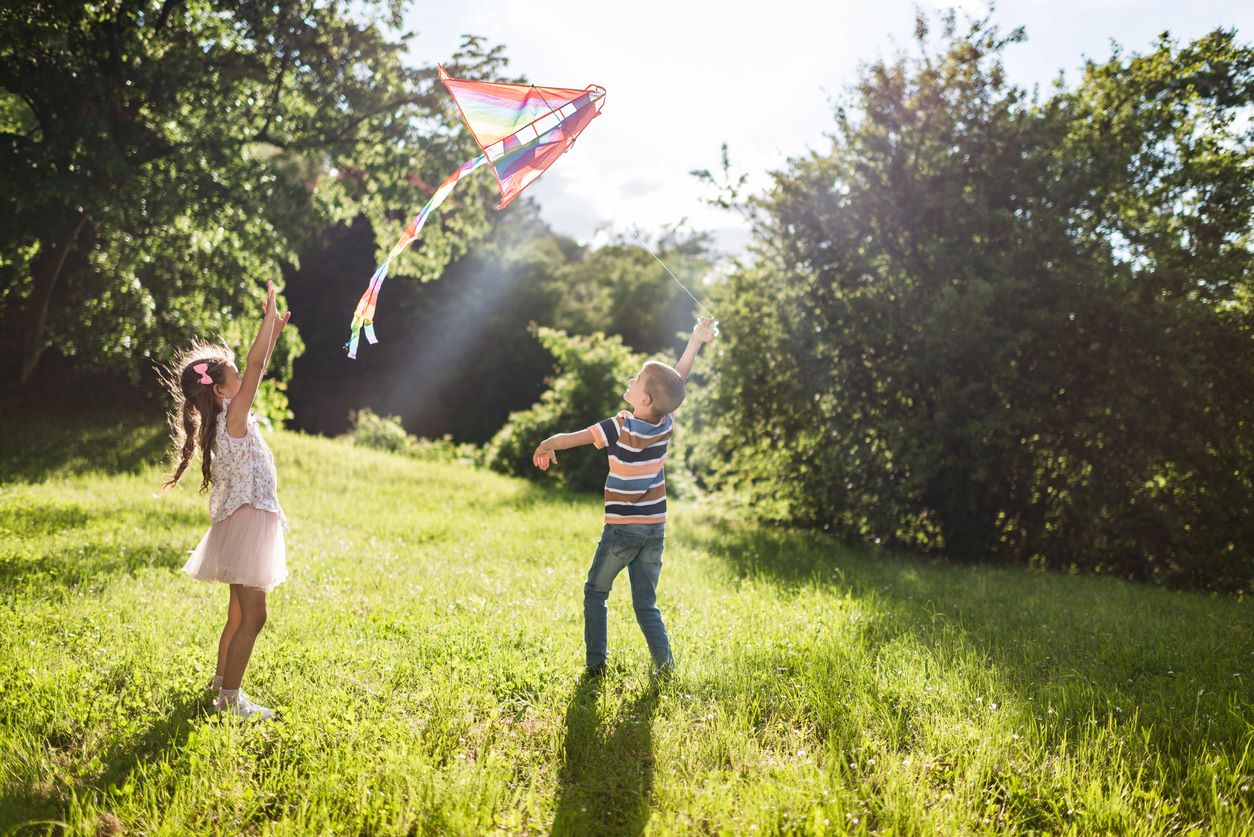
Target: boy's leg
(607,563)
(644,573)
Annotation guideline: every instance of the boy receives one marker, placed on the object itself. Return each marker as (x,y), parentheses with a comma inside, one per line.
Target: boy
(635,499)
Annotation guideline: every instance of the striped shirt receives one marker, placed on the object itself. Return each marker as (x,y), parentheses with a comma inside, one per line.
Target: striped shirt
(635,490)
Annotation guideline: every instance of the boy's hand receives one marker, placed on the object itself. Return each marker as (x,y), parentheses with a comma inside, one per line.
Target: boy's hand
(543,457)
(706,330)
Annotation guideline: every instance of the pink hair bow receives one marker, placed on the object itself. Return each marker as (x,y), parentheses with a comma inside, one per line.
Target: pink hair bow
(203,369)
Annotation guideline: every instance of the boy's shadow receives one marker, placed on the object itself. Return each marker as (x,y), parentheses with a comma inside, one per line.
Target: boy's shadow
(607,771)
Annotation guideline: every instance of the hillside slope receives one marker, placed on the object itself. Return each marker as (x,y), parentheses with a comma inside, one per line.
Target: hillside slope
(425,654)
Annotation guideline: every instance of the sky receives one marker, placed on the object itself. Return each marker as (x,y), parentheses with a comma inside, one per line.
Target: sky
(685,76)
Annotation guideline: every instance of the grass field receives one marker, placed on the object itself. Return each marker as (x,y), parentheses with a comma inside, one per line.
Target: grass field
(425,659)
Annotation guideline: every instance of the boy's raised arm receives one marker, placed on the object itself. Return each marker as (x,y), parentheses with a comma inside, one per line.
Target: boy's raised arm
(546,453)
(705,331)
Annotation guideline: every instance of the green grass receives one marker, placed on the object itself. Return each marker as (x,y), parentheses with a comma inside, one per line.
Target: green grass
(425,657)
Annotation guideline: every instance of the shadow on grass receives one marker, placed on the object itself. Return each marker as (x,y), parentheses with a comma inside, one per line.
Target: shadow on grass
(41,810)
(1090,644)
(37,556)
(35,447)
(607,771)
(90,563)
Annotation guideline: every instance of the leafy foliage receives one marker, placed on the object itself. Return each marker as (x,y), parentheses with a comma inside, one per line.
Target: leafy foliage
(386,433)
(1009,329)
(592,372)
(160,161)
(379,432)
(457,355)
(619,288)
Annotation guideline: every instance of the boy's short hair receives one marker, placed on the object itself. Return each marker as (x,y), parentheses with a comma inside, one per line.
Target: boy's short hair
(664,385)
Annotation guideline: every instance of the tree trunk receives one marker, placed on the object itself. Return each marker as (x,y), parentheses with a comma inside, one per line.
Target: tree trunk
(47,271)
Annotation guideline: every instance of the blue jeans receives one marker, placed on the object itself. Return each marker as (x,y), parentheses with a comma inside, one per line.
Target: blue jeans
(638,548)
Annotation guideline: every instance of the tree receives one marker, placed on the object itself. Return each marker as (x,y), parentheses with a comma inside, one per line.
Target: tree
(619,288)
(458,354)
(1003,328)
(160,160)
(454,357)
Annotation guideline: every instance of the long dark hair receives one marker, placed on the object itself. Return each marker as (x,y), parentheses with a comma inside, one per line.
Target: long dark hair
(195,415)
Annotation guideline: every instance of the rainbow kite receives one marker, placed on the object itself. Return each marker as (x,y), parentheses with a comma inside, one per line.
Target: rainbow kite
(522,130)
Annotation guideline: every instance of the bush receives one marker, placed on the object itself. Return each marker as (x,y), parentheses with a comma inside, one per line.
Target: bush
(591,375)
(380,432)
(386,433)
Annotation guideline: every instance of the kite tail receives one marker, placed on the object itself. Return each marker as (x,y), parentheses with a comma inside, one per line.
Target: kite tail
(363,316)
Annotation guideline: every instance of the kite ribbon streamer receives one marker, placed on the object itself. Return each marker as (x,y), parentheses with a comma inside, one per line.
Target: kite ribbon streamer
(363,317)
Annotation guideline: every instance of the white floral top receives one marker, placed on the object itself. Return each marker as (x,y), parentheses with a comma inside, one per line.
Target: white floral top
(243,472)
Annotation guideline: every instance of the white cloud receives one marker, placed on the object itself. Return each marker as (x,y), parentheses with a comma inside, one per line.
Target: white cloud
(639,186)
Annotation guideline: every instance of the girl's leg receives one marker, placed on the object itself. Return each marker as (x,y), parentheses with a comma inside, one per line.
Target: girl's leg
(228,631)
(252,606)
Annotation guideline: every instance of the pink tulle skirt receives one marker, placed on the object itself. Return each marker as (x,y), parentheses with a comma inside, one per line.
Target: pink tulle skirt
(247,548)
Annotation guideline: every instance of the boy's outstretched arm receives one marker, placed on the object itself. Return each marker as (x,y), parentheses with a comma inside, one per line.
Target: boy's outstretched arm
(546,453)
(705,331)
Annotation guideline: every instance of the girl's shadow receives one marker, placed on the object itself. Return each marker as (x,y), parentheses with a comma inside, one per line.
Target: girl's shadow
(26,807)
(607,771)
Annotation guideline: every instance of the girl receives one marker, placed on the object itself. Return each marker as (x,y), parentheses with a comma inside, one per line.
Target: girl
(244,545)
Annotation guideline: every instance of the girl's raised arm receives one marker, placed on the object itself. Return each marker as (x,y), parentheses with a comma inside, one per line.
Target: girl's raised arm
(258,360)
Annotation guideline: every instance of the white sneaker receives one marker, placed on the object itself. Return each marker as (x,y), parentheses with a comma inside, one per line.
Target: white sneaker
(239,696)
(242,707)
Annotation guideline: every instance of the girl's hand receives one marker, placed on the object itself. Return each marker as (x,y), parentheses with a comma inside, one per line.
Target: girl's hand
(706,330)
(270,311)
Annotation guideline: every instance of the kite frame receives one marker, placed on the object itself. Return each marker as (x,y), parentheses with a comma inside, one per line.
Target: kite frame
(598,95)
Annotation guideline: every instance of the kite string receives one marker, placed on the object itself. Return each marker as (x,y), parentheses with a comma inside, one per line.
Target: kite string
(645,247)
